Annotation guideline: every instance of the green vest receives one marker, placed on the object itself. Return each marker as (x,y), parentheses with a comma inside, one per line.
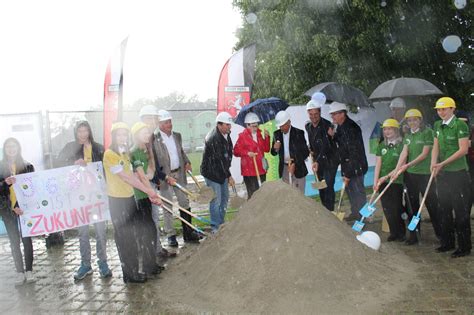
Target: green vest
(416,142)
(139,157)
(389,155)
(448,138)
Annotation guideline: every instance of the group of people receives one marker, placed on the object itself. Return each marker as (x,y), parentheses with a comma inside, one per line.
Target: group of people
(411,157)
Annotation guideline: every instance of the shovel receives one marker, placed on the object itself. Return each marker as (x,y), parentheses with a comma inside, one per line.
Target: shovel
(319,185)
(416,219)
(236,201)
(340,214)
(183,220)
(290,176)
(191,196)
(197,217)
(206,194)
(256,171)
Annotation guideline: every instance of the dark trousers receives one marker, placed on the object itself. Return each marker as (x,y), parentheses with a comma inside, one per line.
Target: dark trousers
(124,215)
(392,203)
(328,195)
(187,230)
(454,192)
(11,224)
(356,193)
(147,234)
(251,184)
(416,186)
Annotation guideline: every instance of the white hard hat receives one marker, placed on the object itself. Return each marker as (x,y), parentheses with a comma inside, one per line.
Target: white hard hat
(319,98)
(281,118)
(148,110)
(164,115)
(224,117)
(398,102)
(369,238)
(337,107)
(312,105)
(251,118)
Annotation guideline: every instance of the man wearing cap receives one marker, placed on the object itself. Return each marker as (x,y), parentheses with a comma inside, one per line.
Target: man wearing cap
(351,152)
(449,164)
(215,167)
(290,145)
(175,163)
(149,115)
(323,151)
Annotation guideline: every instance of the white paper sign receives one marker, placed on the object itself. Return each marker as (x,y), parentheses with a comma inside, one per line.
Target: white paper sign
(61,199)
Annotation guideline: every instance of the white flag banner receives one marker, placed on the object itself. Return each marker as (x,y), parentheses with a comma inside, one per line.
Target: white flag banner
(61,199)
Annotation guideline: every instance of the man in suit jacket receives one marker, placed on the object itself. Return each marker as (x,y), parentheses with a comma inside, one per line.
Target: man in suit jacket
(290,144)
(173,162)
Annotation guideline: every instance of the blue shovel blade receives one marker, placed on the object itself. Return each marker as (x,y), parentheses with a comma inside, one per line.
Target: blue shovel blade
(367,210)
(414,222)
(358,226)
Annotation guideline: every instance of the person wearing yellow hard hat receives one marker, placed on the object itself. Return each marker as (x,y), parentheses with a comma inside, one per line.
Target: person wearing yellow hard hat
(449,165)
(123,209)
(387,155)
(414,162)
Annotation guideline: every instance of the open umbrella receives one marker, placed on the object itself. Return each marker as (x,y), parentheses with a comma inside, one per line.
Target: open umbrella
(401,87)
(340,92)
(265,108)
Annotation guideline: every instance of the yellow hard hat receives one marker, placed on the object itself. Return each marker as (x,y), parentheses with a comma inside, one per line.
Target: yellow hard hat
(119,125)
(138,126)
(445,102)
(413,113)
(393,123)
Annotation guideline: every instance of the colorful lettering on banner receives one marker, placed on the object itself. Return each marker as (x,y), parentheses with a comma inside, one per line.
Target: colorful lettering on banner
(61,199)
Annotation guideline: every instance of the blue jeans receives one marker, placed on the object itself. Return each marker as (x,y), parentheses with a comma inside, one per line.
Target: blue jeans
(218,205)
(356,193)
(85,245)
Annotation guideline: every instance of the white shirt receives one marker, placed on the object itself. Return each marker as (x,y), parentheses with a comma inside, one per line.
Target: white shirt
(172,149)
(446,122)
(286,145)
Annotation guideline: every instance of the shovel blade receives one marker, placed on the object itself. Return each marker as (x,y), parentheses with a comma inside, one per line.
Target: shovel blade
(414,223)
(367,210)
(358,226)
(319,185)
(340,215)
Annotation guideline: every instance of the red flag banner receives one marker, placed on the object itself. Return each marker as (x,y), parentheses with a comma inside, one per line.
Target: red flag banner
(113,90)
(236,80)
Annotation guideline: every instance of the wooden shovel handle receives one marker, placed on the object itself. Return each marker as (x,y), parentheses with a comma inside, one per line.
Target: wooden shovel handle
(180,208)
(426,194)
(194,179)
(256,171)
(183,220)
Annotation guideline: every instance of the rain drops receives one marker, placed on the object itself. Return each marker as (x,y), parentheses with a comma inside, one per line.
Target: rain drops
(251,18)
(383,4)
(451,43)
(460,4)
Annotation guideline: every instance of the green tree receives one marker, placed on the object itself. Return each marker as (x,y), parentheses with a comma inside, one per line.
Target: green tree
(358,42)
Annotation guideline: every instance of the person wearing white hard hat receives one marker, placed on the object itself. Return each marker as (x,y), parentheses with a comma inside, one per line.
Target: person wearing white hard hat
(215,167)
(289,144)
(250,147)
(323,151)
(174,162)
(149,115)
(351,153)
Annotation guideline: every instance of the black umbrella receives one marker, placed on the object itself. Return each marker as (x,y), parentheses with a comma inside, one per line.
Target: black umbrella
(340,92)
(402,87)
(265,108)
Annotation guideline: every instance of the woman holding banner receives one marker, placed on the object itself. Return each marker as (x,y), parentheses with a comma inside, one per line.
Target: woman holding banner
(11,165)
(123,209)
(81,151)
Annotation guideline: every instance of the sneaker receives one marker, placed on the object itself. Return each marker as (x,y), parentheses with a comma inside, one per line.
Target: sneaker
(82,272)
(30,277)
(104,270)
(19,278)
(172,242)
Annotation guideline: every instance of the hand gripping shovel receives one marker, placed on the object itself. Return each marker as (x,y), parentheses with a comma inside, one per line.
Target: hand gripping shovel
(340,214)
(206,194)
(236,201)
(256,171)
(416,219)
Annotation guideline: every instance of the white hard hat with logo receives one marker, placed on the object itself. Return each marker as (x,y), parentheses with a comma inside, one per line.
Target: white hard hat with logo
(164,115)
(146,110)
(281,118)
(337,107)
(369,238)
(313,105)
(251,118)
(224,117)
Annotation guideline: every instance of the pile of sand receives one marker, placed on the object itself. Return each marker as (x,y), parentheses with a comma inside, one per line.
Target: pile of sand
(283,253)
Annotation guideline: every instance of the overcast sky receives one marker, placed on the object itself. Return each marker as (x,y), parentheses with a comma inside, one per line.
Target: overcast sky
(53,54)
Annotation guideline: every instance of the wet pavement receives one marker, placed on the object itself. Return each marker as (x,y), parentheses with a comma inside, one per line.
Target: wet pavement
(444,285)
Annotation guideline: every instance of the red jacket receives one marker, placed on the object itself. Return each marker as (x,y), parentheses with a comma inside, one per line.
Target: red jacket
(244,145)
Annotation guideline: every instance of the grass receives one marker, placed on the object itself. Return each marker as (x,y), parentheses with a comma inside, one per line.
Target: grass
(196,159)
(199,224)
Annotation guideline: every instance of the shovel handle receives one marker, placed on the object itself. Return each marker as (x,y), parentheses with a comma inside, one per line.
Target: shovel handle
(372,197)
(186,211)
(194,179)
(425,195)
(187,192)
(256,171)
(183,220)
(386,188)
(342,195)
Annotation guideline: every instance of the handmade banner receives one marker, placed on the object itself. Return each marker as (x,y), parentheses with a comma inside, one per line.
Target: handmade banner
(62,198)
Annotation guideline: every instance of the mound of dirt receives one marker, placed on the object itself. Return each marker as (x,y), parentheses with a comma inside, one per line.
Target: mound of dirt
(284,253)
